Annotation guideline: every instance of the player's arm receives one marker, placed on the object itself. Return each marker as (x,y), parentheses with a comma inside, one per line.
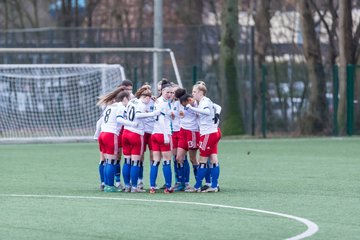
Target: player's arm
(205,110)
(120,119)
(98,128)
(218,108)
(147,114)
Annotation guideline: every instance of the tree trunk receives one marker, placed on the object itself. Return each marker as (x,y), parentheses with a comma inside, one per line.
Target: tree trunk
(316,119)
(233,123)
(262,42)
(345,49)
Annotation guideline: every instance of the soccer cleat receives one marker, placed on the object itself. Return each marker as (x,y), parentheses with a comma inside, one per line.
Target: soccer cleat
(118,185)
(168,190)
(205,187)
(140,185)
(137,190)
(102,186)
(127,189)
(152,191)
(211,189)
(179,187)
(111,189)
(192,190)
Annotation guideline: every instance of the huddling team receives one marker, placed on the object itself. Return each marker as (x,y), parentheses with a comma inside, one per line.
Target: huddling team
(172,126)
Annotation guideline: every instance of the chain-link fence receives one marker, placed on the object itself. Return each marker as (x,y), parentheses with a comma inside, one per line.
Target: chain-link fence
(197,53)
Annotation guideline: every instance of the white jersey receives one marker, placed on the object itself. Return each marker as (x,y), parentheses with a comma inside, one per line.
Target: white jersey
(175,119)
(109,123)
(135,106)
(217,111)
(189,119)
(163,121)
(207,122)
(149,121)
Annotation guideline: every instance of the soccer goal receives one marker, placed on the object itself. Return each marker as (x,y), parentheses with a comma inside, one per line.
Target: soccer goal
(50,94)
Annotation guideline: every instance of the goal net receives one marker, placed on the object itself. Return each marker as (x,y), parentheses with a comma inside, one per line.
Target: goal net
(53,101)
(56,101)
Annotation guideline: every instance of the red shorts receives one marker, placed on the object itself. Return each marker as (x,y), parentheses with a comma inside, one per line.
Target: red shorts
(209,143)
(147,141)
(133,143)
(158,144)
(175,139)
(188,139)
(108,143)
(120,138)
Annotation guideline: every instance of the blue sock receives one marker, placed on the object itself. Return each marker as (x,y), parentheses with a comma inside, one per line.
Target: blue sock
(200,174)
(101,171)
(186,170)
(215,172)
(167,173)
(104,173)
(195,170)
(176,170)
(134,173)
(208,173)
(141,170)
(181,178)
(117,171)
(153,173)
(126,171)
(110,173)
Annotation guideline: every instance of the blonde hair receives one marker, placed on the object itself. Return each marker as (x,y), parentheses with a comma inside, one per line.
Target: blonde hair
(109,97)
(143,91)
(201,87)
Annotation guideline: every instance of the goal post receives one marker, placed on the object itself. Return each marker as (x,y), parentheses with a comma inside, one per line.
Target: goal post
(52,99)
(100,50)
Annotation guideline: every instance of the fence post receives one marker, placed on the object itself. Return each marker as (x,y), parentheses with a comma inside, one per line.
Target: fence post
(350,99)
(263,101)
(194,74)
(136,78)
(335,99)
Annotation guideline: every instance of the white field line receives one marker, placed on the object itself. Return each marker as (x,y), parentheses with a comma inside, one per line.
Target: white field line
(312,228)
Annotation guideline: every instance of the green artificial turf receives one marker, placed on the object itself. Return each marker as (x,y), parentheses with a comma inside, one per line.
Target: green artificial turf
(317,179)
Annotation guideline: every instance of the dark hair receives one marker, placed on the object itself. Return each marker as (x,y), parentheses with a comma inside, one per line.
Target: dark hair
(165,83)
(126,83)
(180,92)
(184,98)
(122,95)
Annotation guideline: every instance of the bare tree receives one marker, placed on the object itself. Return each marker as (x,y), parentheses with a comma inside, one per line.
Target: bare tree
(233,123)
(345,52)
(262,43)
(316,119)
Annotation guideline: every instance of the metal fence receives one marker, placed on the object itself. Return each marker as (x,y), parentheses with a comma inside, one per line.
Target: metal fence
(197,53)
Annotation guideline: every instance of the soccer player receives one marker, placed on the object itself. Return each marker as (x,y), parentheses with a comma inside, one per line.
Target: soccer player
(175,131)
(161,139)
(209,138)
(189,137)
(148,128)
(110,129)
(133,138)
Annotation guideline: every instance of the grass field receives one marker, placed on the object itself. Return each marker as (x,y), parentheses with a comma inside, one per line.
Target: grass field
(50,191)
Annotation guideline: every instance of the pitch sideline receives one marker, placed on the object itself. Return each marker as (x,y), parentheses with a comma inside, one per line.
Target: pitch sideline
(312,227)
